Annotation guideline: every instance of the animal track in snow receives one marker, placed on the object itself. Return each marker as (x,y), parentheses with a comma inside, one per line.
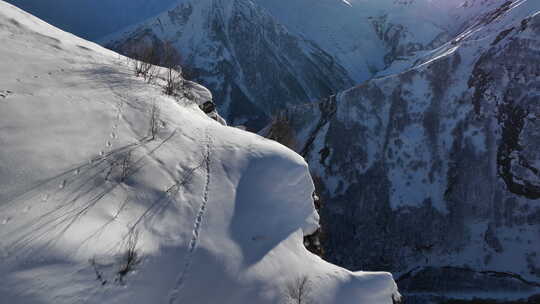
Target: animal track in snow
(193,243)
(5,93)
(62,184)
(26,209)
(109,143)
(6,220)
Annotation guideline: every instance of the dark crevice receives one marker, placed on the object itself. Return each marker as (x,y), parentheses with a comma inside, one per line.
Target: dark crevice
(328,108)
(512,118)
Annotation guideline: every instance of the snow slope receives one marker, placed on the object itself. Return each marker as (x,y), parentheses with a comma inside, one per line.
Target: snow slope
(214,214)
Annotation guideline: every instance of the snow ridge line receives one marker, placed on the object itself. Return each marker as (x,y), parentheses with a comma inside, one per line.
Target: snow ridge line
(196,225)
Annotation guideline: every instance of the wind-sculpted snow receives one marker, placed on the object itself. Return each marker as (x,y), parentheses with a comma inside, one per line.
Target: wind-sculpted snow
(96,209)
(436,170)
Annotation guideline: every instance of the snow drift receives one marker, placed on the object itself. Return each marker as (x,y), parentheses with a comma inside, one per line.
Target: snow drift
(92,210)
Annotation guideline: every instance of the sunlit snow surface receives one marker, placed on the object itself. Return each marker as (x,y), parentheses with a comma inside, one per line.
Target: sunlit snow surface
(220,213)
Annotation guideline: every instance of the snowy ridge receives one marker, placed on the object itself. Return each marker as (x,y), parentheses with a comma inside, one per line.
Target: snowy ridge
(82,184)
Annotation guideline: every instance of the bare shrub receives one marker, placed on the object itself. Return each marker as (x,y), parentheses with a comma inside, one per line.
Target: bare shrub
(125,166)
(171,60)
(112,165)
(155,114)
(144,57)
(298,291)
(130,258)
(99,274)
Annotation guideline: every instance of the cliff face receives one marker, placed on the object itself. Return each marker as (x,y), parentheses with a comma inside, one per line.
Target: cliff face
(434,172)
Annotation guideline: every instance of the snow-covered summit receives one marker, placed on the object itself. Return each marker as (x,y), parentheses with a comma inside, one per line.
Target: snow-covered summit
(93,210)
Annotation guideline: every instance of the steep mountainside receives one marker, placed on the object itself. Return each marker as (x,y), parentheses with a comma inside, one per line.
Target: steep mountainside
(111,192)
(441,159)
(258,56)
(252,64)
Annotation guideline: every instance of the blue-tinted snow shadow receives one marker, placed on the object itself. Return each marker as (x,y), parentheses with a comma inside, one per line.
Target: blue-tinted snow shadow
(261,220)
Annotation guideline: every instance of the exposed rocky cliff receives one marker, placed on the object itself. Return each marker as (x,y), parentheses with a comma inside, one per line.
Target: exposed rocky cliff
(434,172)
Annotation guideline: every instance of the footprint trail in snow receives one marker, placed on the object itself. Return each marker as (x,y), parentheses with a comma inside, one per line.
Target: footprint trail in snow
(193,243)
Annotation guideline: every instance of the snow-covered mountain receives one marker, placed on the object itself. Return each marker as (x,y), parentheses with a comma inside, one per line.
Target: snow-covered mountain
(252,63)
(94,210)
(442,159)
(258,56)
(227,43)
(308,49)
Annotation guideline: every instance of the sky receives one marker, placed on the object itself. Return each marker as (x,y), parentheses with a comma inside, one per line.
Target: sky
(82,17)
